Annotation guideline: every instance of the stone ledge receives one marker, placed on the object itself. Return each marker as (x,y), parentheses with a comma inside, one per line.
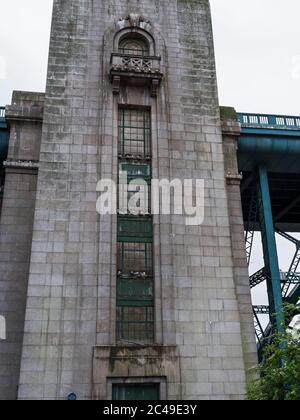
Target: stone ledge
(24,113)
(133,362)
(25,106)
(233,179)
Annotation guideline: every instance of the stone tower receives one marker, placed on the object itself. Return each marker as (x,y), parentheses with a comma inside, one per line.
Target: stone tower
(130,306)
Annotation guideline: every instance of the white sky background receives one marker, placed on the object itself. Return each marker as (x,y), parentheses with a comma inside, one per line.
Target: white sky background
(258,54)
(257,51)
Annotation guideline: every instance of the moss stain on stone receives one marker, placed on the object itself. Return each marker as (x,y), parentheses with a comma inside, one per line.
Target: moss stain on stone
(228,113)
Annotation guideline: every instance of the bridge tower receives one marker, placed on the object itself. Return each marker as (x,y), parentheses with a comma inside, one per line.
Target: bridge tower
(138,306)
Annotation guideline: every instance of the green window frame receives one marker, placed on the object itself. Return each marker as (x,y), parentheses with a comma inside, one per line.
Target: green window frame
(135,257)
(135,172)
(135,291)
(135,285)
(135,133)
(135,246)
(136,392)
(135,324)
(135,229)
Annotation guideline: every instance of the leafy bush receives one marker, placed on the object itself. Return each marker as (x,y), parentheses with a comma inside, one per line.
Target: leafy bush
(279,373)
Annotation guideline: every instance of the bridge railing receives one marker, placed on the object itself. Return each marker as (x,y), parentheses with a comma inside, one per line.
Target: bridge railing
(269,121)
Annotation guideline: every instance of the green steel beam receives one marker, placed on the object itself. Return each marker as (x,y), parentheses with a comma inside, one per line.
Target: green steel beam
(259,331)
(252,219)
(270,251)
(269,145)
(258,277)
(4,139)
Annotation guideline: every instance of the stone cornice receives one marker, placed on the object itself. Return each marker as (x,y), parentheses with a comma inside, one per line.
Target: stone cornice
(24,113)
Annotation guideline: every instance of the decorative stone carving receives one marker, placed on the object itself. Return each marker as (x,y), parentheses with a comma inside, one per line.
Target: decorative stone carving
(133,20)
(125,66)
(121,24)
(116,81)
(136,65)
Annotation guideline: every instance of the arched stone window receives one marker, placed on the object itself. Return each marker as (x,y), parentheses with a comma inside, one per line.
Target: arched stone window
(134,41)
(134,57)
(134,45)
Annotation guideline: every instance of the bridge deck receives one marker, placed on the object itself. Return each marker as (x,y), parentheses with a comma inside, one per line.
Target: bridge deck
(275,142)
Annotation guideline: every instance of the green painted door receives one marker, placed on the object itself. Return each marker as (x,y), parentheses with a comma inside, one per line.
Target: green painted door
(139,392)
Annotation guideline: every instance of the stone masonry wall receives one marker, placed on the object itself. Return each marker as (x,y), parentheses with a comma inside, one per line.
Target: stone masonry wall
(24,117)
(231,131)
(71,293)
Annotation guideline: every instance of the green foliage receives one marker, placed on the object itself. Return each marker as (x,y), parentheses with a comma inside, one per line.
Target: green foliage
(228,113)
(279,373)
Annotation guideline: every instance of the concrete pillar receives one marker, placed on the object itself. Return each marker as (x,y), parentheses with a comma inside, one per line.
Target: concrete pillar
(231,131)
(24,117)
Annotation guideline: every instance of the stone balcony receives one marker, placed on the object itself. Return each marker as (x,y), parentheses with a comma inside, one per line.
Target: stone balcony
(125,68)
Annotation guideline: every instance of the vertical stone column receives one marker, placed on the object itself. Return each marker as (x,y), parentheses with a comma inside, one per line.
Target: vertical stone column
(61,313)
(71,293)
(231,132)
(25,119)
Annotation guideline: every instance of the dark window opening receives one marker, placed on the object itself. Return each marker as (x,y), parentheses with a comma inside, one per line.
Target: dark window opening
(134,133)
(135,324)
(135,284)
(134,257)
(136,392)
(134,178)
(134,46)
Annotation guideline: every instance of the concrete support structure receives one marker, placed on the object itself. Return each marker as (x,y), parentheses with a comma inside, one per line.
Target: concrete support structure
(203,332)
(21,168)
(231,131)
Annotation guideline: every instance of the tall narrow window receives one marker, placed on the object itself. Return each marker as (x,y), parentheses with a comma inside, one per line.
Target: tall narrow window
(135,172)
(135,285)
(134,133)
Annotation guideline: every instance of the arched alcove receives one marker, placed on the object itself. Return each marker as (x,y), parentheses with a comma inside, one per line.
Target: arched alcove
(136,36)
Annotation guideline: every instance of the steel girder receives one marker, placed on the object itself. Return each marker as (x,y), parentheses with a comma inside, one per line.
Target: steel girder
(252,219)
(261,212)
(291,275)
(270,251)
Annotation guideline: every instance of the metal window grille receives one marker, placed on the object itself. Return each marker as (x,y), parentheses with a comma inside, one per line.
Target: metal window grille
(131,184)
(134,257)
(135,229)
(135,133)
(135,285)
(135,291)
(136,47)
(135,323)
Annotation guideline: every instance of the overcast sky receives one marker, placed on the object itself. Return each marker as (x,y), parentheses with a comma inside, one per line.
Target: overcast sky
(257,51)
